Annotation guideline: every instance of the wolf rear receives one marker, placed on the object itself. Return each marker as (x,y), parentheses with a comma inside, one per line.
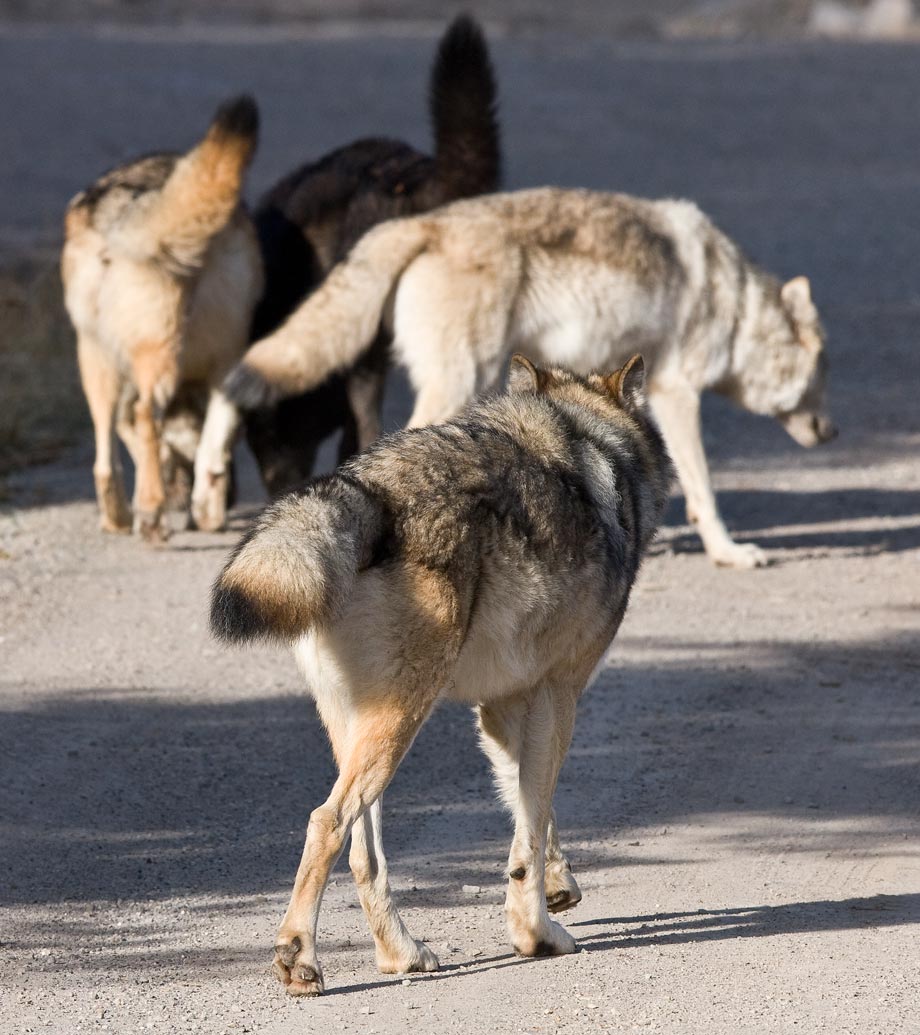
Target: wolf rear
(340,320)
(160,275)
(148,216)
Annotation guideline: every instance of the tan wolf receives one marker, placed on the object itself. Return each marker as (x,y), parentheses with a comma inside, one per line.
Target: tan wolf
(487,560)
(161,272)
(576,278)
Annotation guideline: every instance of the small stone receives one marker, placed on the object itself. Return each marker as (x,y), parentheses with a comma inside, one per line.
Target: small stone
(472,889)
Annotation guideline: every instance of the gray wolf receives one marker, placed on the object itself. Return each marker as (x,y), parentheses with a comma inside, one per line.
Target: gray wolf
(309,221)
(577,278)
(161,272)
(488,560)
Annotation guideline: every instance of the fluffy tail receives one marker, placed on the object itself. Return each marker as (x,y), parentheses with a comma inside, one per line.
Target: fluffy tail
(334,325)
(177,222)
(463,102)
(296,567)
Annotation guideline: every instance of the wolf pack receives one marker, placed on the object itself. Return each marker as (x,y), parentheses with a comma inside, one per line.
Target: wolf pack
(557,343)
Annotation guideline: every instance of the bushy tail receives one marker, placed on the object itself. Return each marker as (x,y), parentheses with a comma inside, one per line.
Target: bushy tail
(177,222)
(463,102)
(333,326)
(296,567)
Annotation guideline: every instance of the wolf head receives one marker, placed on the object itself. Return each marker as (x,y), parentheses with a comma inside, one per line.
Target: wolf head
(780,365)
(623,390)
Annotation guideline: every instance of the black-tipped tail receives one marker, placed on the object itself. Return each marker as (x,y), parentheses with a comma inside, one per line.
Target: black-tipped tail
(463,105)
(248,389)
(238,117)
(235,617)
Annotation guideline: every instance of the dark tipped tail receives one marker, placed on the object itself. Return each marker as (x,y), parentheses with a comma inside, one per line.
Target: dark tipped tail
(296,568)
(463,104)
(200,196)
(238,117)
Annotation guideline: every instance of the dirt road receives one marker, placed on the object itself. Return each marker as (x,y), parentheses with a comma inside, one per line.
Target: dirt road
(741,800)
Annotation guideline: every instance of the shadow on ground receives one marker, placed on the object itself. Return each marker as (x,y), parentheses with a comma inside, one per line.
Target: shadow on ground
(129,795)
(888,519)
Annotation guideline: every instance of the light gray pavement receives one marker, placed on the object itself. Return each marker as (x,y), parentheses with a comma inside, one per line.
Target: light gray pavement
(741,801)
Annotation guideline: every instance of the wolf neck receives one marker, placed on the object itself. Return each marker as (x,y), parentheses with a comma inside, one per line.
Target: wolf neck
(753,290)
(761,291)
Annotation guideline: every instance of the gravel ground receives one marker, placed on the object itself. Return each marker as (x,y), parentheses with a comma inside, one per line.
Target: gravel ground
(741,800)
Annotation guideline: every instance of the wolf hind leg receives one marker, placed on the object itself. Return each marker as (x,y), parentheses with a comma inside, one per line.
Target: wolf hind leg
(562,890)
(364,387)
(155,374)
(500,728)
(676,405)
(368,753)
(102,386)
(397,951)
(541,725)
(450,328)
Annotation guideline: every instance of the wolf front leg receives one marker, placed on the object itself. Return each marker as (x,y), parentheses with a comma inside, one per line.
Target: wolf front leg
(212,463)
(375,743)
(500,727)
(676,405)
(543,734)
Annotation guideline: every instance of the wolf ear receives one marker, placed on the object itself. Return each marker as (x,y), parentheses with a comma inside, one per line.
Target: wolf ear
(523,376)
(796,296)
(627,385)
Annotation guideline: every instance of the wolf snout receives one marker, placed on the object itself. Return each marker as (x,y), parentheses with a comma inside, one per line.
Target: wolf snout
(808,428)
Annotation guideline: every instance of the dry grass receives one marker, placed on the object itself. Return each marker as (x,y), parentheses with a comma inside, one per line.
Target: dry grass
(42,408)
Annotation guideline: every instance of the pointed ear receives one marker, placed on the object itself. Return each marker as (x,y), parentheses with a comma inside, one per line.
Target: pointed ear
(796,296)
(523,376)
(627,385)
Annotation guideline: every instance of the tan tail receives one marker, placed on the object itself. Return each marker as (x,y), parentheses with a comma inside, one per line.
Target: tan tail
(177,222)
(296,568)
(332,327)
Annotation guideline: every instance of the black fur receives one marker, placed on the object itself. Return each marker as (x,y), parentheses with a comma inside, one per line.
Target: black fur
(238,117)
(310,220)
(235,618)
(463,107)
(248,388)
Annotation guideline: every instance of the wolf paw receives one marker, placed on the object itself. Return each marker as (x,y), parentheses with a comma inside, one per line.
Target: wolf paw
(740,555)
(418,959)
(114,512)
(120,524)
(300,975)
(149,525)
(553,940)
(562,890)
